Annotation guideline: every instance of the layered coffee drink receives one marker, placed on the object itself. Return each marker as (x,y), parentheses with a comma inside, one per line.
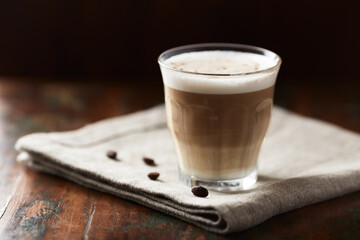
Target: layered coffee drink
(218,105)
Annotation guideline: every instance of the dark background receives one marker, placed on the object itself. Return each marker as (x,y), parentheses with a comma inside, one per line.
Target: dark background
(118,39)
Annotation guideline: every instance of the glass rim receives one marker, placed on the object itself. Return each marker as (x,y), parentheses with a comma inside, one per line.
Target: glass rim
(220,46)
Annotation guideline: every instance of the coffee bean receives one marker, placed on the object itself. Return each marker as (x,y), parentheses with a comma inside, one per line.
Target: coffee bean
(199,191)
(111,154)
(153,175)
(149,161)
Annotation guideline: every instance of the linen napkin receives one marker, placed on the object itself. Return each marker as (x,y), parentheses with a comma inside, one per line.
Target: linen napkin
(303,161)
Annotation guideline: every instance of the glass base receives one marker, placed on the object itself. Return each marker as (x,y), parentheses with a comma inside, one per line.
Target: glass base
(239,184)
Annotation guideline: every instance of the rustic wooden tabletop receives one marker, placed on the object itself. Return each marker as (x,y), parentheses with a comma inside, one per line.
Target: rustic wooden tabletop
(39,206)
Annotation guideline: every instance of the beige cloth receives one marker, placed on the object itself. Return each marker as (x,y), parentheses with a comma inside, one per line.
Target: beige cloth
(303,161)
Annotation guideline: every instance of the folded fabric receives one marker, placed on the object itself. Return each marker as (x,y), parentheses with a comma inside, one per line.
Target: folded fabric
(303,161)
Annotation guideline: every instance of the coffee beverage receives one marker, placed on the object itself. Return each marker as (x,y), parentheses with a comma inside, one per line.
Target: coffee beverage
(218,139)
(218,106)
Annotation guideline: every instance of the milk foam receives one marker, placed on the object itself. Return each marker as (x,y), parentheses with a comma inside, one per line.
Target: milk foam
(219,62)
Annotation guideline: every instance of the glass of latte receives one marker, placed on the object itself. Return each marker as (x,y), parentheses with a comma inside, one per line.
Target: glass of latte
(218,98)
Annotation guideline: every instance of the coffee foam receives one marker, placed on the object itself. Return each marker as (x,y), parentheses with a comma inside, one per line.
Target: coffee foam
(219,62)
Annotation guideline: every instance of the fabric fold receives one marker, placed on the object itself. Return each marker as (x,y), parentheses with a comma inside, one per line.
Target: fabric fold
(303,161)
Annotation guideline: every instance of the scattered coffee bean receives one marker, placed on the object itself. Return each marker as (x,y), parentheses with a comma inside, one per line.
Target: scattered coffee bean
(111,154)
(153,175)
(149,161)
(199,191)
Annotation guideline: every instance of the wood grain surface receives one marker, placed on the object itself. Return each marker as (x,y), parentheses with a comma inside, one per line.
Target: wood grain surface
(39,206)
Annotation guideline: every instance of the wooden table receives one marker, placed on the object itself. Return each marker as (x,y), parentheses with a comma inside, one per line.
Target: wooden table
(39,206)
